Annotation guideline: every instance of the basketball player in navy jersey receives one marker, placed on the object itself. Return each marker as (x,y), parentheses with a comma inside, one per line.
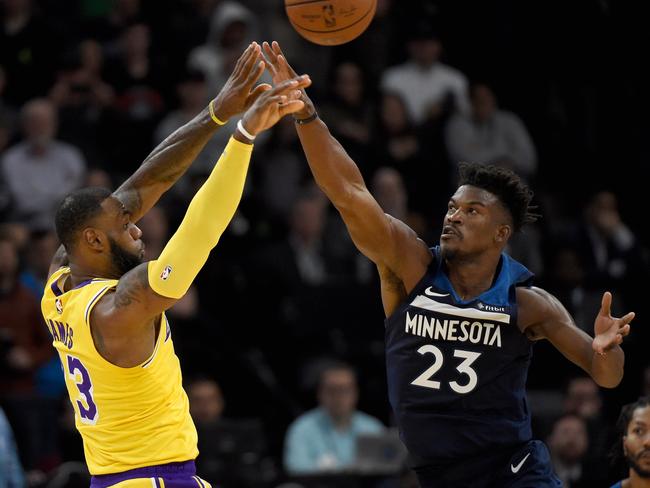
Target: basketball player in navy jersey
(634,443)
(461,318)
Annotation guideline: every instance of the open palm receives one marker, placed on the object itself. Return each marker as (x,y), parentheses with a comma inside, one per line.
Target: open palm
(609,331)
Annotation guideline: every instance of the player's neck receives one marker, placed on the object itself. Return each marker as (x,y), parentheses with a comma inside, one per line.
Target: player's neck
(470,278)
(635,481)
(79,272)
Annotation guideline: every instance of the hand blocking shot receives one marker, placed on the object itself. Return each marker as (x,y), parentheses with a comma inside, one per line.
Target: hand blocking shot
(461,318)
(105,307)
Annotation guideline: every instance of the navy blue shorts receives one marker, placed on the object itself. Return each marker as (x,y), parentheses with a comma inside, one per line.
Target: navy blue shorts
(526,466)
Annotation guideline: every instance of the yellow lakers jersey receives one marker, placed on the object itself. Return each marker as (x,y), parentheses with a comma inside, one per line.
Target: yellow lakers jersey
(128,417)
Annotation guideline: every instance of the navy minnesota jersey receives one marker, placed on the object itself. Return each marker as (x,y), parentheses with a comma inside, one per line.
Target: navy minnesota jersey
(457,369)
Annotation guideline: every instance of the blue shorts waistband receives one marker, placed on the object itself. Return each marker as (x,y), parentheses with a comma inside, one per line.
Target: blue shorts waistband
(170,470)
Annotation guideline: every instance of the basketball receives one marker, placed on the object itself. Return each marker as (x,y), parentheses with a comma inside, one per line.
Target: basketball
(330,22)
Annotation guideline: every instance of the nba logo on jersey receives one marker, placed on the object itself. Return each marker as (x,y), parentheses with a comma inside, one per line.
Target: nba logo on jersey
(166,272)
(59,306)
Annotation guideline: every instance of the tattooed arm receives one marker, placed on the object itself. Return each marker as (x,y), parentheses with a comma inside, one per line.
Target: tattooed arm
(171,158)
(121,321)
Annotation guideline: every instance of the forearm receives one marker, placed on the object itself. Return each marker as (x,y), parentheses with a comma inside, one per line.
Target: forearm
(334,171)
(166,164)
(206,218)
(607,369)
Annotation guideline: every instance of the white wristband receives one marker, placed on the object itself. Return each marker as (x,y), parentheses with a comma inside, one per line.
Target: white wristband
(244,132)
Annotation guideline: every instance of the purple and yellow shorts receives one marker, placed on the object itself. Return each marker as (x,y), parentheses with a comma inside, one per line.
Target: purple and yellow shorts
(172,475)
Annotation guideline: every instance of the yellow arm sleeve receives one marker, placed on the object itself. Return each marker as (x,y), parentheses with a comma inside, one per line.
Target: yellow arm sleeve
(207,216)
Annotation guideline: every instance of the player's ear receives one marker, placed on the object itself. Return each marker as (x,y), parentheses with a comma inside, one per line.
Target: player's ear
(504,231)
(94,238)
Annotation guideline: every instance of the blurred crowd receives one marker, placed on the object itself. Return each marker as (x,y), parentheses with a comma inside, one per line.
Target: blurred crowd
(281,337)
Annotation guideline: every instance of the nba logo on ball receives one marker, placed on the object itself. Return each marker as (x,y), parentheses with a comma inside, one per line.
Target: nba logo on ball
(166,272)
(59,306)
(330,22)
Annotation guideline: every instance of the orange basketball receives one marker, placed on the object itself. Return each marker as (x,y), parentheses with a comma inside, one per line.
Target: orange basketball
(330,22)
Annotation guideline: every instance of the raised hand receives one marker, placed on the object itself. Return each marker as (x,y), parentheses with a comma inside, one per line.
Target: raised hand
(609,331)
(281,70)
(238,94)
(274,104)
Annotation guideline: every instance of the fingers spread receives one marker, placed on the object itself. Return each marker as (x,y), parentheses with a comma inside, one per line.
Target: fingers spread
(268,52)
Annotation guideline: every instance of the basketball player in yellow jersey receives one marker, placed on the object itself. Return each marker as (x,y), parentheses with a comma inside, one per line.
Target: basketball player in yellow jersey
(105,309)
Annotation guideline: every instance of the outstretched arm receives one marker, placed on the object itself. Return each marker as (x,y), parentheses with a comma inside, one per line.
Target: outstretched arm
(171,158)
(151,288)
(542,316)
(384,240)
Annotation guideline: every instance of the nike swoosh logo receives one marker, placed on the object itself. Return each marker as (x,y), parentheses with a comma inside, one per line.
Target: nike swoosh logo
(432,293)
(515,469)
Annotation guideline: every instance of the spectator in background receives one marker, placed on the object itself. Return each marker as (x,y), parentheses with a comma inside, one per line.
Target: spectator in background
(106,29)
(584,400)
(231,27)
(138,78)
(429,88)
(191,92)
(387,186)
(231,452)
(84,101)
(398,144)
(206,401)
(568,443)
(38,255)
(612,257)
(11,473)
(24,341)
(348,112)
(284,171)
(324,439)
(490,135)
(634,443)
(41,170)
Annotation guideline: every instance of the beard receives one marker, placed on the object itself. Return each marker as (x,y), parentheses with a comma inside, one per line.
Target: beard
(122,261)
(632,461)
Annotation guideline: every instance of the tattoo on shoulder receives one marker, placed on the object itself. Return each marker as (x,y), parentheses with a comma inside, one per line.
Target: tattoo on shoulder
(130,287)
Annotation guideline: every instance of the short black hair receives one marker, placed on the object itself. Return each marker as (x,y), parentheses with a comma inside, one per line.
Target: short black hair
(335,365)
(617,455)
(507,186)
(74,212)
